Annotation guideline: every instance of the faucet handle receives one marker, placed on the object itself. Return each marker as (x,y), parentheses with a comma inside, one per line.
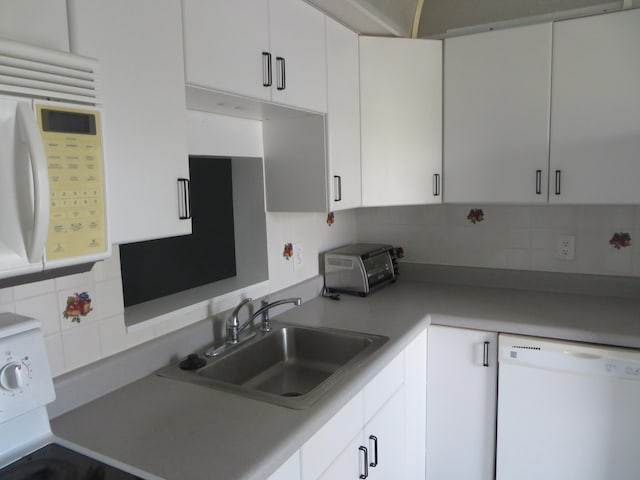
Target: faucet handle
(266,327)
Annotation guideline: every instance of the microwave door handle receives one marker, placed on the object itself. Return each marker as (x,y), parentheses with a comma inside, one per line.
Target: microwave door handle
(29,132)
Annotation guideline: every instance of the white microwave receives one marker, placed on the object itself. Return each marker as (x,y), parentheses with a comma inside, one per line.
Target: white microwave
(52,172)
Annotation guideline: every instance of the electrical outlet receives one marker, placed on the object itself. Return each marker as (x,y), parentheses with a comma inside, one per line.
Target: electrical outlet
(566,247)
(298,256)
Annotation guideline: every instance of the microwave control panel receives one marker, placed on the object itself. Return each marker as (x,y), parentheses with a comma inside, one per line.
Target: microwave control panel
(73,146)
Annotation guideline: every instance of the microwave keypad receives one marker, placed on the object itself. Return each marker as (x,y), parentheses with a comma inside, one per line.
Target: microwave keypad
(76,190)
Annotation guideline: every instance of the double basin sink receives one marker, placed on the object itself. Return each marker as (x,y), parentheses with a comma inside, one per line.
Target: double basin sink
(291,365)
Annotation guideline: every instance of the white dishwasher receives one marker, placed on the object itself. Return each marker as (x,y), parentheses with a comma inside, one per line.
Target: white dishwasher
(567,411)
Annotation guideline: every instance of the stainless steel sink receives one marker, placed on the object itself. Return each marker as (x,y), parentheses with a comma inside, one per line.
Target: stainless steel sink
(291,366)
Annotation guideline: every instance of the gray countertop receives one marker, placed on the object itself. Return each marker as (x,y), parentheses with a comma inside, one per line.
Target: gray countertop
(182,431)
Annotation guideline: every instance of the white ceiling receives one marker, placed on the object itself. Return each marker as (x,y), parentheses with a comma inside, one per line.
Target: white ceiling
(446,17)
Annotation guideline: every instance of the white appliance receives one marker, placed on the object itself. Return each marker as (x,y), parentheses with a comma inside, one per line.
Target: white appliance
(28,449)
(52,173)
(567,411)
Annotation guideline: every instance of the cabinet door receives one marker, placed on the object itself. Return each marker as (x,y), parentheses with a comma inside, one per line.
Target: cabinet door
(383,443)
(297,35)
(142,83)
(384,437)
(415,394)
(326,445)
(343,116)
(289,470)
(496,115)
(43,24)
(595,109)
(401,117)
(224,43)
(461,403)
(349,464)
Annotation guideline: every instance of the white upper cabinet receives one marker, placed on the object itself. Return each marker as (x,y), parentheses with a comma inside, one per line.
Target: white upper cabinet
(401,118)
(139,47)
(43,24)
(343,117)
(299,55)
(224,43)
(496,115)
(595,110)
(269,50)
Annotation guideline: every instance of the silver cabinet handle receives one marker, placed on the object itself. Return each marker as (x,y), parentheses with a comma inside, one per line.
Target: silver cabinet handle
(184,199)
(374,462)
(558,181)
(337,188)
(365,462)
(485,355)
(266,69)
(436,184)
(282,70)
(538,182)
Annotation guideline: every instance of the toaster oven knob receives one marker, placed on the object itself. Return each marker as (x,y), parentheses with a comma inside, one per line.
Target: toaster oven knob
(13,376)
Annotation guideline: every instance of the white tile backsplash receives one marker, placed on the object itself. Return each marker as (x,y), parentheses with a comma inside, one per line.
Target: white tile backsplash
(55,353)
(108,300)
(511,236)
(75,282)
(6,295)
(81,345)
(44,308)
(33,289)
(113,333)
(108,269)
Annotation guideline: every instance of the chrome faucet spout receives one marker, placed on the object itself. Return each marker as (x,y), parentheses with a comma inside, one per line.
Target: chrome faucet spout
(233,324)
(234,328)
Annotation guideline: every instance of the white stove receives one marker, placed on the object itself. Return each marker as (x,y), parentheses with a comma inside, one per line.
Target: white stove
(28,448)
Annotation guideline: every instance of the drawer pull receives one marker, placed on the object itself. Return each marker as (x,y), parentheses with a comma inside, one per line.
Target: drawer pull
(374,461)
(365,462)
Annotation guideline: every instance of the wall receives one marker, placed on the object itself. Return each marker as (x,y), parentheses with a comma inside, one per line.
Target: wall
(219,135)
(102,332)
(511,237)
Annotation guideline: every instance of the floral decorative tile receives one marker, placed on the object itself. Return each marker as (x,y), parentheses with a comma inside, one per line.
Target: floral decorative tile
(620,240)
(475,215)
(78,305)
(288,251)
(331,218)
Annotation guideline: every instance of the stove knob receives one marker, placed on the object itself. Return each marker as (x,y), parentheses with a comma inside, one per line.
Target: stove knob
(13,376)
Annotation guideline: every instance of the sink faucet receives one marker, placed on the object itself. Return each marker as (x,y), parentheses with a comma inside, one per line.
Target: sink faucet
(233,324)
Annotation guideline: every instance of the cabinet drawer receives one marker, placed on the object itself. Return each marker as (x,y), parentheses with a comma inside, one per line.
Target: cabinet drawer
(382,387)
(321,449)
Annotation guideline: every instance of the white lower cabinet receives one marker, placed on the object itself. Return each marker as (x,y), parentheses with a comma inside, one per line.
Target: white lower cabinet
(289,470)
(379,433)
(377,451)
(349,463)
(462,382)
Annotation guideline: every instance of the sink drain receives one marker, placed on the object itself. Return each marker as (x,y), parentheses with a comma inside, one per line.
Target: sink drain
(292,394)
